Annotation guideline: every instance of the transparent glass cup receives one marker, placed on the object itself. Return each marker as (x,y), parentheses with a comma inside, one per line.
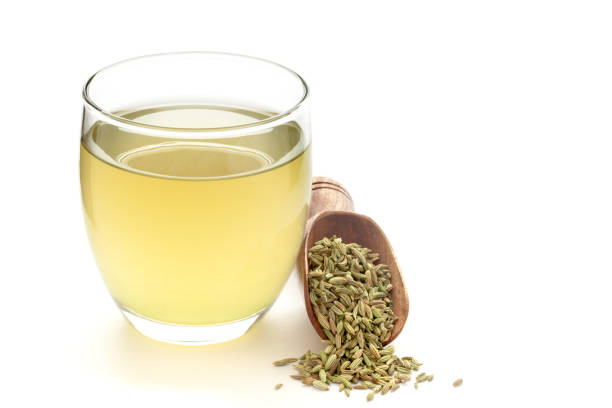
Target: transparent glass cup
(195,180)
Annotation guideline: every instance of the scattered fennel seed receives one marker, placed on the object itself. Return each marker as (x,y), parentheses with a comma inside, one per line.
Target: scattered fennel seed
(284,361)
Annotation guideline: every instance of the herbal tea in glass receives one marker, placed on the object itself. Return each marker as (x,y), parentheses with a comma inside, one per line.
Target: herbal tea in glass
(195,196)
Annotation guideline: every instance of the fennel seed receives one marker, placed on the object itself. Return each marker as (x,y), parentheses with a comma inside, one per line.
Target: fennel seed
(284,361)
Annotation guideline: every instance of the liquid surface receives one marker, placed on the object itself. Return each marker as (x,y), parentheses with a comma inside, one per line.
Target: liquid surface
(193,160)
(195,231)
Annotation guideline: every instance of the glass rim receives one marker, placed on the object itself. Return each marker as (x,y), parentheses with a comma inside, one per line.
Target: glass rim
(89,102)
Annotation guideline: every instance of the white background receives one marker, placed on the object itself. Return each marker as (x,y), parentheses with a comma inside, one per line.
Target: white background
(477,133)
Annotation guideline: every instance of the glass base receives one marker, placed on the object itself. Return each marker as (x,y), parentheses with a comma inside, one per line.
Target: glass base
(189,334)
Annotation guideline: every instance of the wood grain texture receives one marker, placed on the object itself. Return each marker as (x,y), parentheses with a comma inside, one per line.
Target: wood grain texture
(331,213)
(328,195)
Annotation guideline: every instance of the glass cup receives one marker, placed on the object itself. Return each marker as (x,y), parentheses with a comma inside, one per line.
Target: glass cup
(195,180)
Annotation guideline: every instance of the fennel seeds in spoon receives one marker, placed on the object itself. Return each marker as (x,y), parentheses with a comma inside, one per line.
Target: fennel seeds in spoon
(349,294)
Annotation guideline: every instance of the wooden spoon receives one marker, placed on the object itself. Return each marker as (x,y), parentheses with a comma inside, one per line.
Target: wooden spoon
(331,213)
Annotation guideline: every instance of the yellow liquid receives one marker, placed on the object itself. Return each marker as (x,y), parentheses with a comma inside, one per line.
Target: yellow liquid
(195,231)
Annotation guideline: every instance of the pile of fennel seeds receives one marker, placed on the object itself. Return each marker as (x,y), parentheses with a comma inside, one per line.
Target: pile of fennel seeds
(349,294)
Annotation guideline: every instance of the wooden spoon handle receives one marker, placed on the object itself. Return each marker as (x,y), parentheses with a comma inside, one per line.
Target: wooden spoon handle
(328,195)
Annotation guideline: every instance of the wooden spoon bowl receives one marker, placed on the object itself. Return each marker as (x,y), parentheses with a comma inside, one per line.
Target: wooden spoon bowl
(331,213)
